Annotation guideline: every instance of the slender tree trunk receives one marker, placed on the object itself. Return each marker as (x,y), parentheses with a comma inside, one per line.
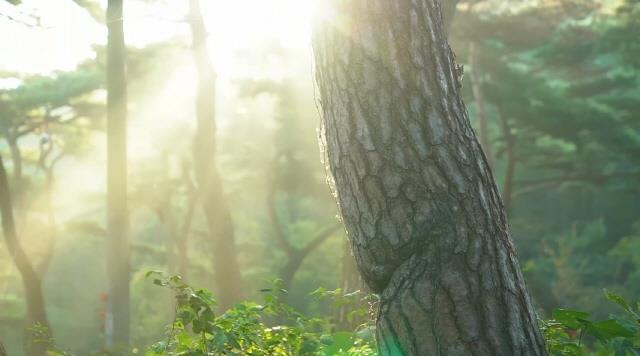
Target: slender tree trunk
(162,205)
(183,240)
(36,342)
(448,14)
(185,230)
(290,269)
(507,187)
(16,159)
(18,183)
(296,257)
(117,328)
(418,199)
(52,226)
(216,210)
(478,98)
(350,282)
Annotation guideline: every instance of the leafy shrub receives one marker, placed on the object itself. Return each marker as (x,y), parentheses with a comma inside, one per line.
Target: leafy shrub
(572,333)
(271,328)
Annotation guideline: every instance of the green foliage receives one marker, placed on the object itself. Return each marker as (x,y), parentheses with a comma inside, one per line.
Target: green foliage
(270,328)
(574,333)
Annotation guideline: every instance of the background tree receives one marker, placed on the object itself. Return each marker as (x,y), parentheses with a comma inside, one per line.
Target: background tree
(554,103)
(118,259)
(286,180)
(51,110)
(216,210)
(36,315)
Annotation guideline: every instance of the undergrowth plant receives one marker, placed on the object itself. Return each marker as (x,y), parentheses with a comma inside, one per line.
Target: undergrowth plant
(574,333)
(270,328)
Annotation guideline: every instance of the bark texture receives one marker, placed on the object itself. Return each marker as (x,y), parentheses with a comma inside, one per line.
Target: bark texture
(416,194)
(216,210)
(118,264)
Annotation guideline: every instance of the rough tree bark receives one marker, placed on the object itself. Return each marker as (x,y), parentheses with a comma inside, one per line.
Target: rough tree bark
(418,199)
(216,210)
(118,260)
(34,344)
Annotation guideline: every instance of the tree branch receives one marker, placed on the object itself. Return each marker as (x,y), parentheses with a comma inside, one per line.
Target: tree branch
(280,235)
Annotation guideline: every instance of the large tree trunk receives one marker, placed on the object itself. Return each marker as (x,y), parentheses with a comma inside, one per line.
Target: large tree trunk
(117,328)
(418,199)
(216,210)
(36,340)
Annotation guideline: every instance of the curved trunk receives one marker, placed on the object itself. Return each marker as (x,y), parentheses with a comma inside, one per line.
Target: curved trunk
(36,340)
(216,210)
(289,270)
(418,199)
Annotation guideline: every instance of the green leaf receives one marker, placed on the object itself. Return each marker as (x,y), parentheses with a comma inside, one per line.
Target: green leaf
(342,341)
(609,329)
(570,318)
(618,299)
(197,326)
(149,273)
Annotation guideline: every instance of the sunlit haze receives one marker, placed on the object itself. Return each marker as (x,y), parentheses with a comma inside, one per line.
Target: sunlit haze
(47,36)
